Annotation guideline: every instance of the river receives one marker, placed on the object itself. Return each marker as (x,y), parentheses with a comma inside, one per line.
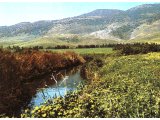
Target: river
(56,84)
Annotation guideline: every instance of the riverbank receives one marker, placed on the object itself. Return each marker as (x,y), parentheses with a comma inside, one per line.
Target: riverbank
(17,68)
(123,87)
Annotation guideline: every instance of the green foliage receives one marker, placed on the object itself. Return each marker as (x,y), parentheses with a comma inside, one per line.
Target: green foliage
(132,86)
(126,86)
(137,48)
(143,12)
(87,50)
(36,28)
(69,106)
(123,32)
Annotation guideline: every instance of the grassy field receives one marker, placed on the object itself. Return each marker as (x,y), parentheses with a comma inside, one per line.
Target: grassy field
(86,50)
(150,38)
(30,41)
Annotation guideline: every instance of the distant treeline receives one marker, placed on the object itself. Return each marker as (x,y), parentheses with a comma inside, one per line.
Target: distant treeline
(59,47)
(137,48)
(22,49)
(81,46)
(95,46)
(126,49)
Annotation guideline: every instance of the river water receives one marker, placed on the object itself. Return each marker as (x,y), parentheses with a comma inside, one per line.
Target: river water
(56,85)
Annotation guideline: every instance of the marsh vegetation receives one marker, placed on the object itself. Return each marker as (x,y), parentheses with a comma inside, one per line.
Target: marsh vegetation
(117,84)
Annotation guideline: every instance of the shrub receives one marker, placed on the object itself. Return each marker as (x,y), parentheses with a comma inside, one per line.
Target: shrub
(137,48)
(17,68)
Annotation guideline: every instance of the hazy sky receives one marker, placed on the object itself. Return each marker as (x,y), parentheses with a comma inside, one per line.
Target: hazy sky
(12,13)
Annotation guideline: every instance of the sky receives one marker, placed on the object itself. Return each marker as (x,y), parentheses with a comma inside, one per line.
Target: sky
(12,13)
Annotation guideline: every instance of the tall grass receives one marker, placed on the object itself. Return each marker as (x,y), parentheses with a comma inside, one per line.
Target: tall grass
(18,68)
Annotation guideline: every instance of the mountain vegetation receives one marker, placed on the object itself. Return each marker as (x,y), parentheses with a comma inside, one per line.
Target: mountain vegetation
(106,25)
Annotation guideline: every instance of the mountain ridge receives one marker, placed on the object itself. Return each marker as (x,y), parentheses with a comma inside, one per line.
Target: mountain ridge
(112,24)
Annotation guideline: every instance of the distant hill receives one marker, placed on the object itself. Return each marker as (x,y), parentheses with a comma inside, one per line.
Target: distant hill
(108,24)
(102,13)
(36,28)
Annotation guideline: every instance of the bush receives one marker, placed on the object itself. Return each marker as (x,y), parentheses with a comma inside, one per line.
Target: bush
(137,48)
(17,68)
(72,105)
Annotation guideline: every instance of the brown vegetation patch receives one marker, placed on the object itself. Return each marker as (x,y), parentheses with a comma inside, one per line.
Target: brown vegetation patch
(17,68)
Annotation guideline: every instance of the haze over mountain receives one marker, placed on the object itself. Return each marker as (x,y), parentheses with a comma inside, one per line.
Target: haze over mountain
(109,24)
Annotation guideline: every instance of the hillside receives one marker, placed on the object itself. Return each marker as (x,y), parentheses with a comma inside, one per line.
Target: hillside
(104,24)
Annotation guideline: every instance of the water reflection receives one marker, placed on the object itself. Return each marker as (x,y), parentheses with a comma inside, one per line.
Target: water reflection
(57,85)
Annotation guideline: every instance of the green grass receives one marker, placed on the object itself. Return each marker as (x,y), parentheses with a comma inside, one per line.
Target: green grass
(86,50)
(150,38)
(130,86)
(30,41)
(51,41)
